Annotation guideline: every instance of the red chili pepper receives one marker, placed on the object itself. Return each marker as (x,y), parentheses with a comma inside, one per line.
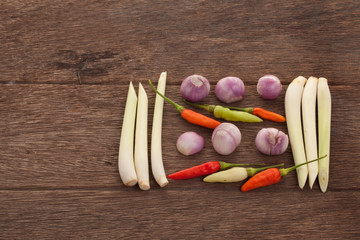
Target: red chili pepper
(203,169)
(190,115)
(270,176)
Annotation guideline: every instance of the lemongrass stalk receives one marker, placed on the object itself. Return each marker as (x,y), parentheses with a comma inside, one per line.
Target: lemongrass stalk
(126,147)
(324,124)
(309,127)
(293,119)
(141,142)
(157,165)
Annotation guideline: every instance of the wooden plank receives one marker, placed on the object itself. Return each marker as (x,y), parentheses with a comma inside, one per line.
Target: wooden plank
(162,214)
(96,43)
(63,136)
(64,71)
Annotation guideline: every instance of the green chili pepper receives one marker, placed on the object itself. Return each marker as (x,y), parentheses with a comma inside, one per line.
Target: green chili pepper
(264,114)
(227,114)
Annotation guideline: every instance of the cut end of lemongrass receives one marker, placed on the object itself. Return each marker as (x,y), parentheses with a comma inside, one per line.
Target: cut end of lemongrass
(323,179)
(144,185)
(300,80)
(162,181)
(131,183)
(163,75)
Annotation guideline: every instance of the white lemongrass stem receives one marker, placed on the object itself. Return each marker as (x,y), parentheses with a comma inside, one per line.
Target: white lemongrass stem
(141,141)
(293,119)
(157,165)
(309,127)
(126,147)
(324,124)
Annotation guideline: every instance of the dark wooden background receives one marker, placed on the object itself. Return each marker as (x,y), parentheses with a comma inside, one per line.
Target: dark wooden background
(65,67)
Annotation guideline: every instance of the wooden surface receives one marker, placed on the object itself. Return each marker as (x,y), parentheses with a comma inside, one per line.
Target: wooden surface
(65,67)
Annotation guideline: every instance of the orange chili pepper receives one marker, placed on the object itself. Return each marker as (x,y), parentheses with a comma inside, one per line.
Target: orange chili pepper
(190,115)
(270,176)
(264,114)
(268,115)
(199,119)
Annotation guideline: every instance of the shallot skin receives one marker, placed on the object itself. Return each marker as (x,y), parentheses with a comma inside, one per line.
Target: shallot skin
(190,143)
(230,89)
(271,141)
(195,88)
(269,87)
(226,138)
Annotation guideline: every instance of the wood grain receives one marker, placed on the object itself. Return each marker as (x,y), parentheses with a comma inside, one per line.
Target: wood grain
(80,214)
(93,42)
(65,67)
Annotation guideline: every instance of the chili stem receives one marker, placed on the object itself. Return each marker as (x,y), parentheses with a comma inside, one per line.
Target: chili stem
(248,110)
(209,108)
(178,107)
(190,115)
(225,165)
(252,171)
(285,171)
